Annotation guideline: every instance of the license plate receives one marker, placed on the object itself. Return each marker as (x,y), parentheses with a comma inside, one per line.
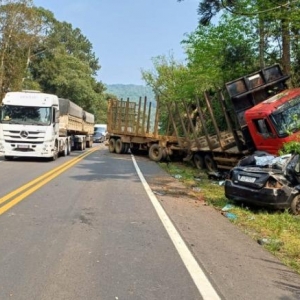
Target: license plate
(23,146)
(247,179)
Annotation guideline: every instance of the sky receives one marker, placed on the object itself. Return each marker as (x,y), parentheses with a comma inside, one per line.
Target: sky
(127,34)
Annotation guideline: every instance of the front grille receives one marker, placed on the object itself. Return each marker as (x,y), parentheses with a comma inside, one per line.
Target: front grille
(23,142)
(13,136)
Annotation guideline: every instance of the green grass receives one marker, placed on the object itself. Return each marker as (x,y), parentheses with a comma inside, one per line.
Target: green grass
(280,229)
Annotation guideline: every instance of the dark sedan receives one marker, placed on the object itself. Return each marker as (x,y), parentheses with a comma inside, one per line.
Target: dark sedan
(274,185)
(99,137)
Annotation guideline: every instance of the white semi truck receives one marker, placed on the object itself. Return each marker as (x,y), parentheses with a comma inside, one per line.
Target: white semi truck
(35,124)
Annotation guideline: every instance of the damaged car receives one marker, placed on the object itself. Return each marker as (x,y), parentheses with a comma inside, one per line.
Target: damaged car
(267,181)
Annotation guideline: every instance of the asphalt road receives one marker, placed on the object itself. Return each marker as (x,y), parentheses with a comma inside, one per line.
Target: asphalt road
(89,230)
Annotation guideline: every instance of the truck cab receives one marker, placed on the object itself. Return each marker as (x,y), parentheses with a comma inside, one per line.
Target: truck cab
(29,124)
(267,113)
(275,121)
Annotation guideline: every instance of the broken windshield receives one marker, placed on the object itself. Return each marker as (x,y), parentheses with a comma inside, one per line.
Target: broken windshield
(27,115)
(287,117)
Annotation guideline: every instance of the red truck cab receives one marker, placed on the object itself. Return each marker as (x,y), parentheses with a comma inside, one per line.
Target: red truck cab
(275,121)
(266,111)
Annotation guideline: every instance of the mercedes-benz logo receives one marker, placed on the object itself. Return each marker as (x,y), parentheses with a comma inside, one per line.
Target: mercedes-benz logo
(24,134)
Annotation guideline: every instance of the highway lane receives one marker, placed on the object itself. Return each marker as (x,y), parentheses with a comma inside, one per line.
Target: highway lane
(93,233)
(90,233)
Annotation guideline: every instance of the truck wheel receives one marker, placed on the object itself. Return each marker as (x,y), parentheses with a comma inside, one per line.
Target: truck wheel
(81,146)
(65,152)
(55,153)
(210,163)
(295,205)
(112,145)
(155,152)
(134,149)
(198,161)
(68,148)
(119,147)
(126,148)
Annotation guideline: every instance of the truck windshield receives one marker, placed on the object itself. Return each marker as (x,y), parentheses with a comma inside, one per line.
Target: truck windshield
(27,115)
(287,117)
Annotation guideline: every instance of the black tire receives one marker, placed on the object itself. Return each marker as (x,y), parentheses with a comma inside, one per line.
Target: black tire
(295,205)
(155,152)
(126,148)
(198,161)
(119,146)
(68,148)
(134,149)
(65,152)
(112,145)
(210,163)
(9,158)
(55,153)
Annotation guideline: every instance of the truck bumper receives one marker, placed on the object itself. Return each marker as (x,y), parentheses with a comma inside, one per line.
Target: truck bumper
(28,150)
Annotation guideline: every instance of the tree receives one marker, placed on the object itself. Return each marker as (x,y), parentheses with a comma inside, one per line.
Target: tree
(19,28)
(276,21)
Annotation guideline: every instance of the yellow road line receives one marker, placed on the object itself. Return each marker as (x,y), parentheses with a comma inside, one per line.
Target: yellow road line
(39,182)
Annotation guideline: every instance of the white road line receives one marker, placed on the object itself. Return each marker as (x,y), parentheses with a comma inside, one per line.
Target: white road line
(201,281)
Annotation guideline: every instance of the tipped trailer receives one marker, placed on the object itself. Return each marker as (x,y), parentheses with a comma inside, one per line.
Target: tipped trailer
(260,115)
(35,124)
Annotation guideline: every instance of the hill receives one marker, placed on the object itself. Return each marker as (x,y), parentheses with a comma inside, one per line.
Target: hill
(131,91)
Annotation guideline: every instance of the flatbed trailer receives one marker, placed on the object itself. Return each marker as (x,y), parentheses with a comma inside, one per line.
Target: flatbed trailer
(134,125)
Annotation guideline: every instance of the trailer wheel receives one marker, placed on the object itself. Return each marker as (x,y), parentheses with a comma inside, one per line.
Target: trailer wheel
(112,145)
(210,163)
(295,205)
(65,152)
(126,148)
(155,152)
(81,146)
(198,161)
(119,146)
(134,149)
(68,148)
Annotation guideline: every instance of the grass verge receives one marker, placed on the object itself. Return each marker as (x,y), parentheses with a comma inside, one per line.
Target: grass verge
(277,231)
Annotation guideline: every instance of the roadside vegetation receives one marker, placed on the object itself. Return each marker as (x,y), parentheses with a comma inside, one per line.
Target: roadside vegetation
(277,231)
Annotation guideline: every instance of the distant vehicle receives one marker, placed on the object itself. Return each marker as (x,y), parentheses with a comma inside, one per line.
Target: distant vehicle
(99,135)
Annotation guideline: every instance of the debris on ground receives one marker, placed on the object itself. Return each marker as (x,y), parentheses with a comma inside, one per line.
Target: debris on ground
(227,207)
(229,215)
(158,193)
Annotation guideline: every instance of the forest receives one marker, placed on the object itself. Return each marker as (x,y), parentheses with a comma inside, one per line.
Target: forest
(38,52)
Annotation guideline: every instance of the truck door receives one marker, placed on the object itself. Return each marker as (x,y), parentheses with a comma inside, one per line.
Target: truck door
(264,136)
